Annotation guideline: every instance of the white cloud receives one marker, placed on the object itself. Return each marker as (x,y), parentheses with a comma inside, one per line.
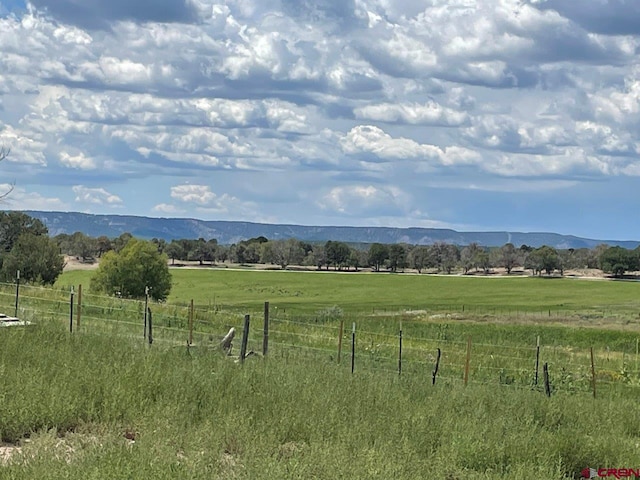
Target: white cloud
(18,198)
(167,209)
(97,196)
(365,199)
(199,194)
(79,161)
(430,113)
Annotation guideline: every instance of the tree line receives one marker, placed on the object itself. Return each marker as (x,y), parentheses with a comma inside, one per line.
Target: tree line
(129,265)
(341,256)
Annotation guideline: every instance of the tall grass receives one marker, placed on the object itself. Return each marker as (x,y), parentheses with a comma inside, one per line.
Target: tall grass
(199,415)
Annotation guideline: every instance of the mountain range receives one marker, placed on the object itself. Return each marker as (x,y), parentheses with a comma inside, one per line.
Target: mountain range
(228,232)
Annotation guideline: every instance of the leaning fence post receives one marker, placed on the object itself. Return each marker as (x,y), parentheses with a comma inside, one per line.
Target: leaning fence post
(535,380)
(547,386)
(71,311)
(150,325)
(593,374)
(340,339)
(79,306)
(265,333)
(245,338)
(467,362)
(146,309)
(353,347)
(435,369)
(17,292)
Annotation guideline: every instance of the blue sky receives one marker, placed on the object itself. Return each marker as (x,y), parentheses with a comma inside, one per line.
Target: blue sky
(468,114)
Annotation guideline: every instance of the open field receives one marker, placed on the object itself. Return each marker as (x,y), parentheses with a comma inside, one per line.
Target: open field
(309,291)
(302,414)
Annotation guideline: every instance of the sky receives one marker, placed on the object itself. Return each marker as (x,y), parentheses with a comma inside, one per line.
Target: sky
(518,115)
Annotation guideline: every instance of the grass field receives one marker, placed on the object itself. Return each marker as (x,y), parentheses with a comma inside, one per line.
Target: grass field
(84,407)
(309,291)
(302,414)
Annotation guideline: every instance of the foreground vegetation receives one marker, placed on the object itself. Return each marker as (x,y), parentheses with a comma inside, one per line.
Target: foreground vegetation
(101,407)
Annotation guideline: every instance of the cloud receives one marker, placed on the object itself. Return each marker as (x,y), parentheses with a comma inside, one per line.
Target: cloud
(19,198)
(198,194)
(167,208)
(365,200)
(208,202)
(430,113)
(97,14)
(97,196)
(609,17)
(79,161)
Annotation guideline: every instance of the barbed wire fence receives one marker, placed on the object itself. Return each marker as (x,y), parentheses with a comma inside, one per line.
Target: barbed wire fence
(397,346)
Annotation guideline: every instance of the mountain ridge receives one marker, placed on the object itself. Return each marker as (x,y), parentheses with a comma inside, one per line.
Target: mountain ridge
(228,232)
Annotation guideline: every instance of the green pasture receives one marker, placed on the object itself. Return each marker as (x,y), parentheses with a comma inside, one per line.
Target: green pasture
(366,292)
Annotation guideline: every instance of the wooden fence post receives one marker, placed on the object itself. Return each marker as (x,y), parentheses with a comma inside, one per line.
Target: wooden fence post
(400,351)
(71,311)
(435,369)
(467,362)
(191,322)
(79,306)
(353,347)
(535,381)
(245,338)
(265,333)
(593,374)
(547,385)
(17,292)
(149,318)
(340,339)
(146,309)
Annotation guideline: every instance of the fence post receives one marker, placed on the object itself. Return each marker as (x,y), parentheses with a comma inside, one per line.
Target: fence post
(191,323)
(79,306)
(71,311)
(593,374)
(146,309)
(400,352)
(535,381)
(435,370)
(150,325)
(265,333)
(547,386)
(17,292)
(245,338)
(467,362)
(353,347)
(340,339)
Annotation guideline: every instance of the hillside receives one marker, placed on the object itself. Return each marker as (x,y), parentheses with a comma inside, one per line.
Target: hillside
(231,232)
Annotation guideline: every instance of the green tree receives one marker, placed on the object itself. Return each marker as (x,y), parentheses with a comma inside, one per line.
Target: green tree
(337,254)
(378,254)
(419,258)
(36,256)
(397,257)
(617,260)
(508,257)
(136,266)
(14,224)
(174,251)
(543,259)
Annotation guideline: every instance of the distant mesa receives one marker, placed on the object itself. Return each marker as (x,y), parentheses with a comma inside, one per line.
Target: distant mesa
(227,232)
